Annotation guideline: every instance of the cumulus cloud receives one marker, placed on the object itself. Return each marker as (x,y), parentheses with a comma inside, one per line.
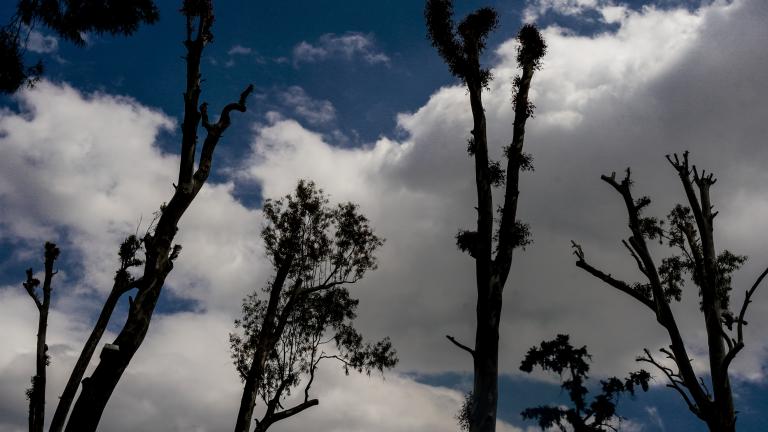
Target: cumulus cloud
(314,111)
(346,46)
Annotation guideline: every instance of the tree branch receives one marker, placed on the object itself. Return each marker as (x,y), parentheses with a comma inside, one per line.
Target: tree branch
(740,322)
(619,285)
(30,286)
(673,383)
(214,134)
(284,414)
(461,345)
(634,255)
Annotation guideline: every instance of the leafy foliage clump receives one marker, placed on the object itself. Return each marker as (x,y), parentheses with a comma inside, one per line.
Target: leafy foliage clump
(461,46)
(560,357)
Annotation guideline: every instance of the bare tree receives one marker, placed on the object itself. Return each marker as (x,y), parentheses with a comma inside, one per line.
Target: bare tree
(317,252)
(690,232)
(36,394)
(70,20)
(599,415)
(461,48)
(159,250)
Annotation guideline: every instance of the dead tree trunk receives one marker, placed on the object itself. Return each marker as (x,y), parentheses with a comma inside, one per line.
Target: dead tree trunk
(691,232)
(36,394)
(159,249)
(463,58)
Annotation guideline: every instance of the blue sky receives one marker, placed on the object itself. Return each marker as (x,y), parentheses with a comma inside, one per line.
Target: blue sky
(352,95)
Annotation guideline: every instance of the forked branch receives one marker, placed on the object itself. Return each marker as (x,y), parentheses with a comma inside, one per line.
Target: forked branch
(740,322)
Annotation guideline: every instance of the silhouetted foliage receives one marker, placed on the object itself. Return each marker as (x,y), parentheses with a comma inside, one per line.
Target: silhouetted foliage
(159,252)
(305,313)
(462,417)
(560,357)
(36,393)
(689,231)
(461,47)
(462,56)
(13,72)
(69,19)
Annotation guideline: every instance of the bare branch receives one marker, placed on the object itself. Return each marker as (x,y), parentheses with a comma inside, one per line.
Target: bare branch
(619,285)
(673,383)
(214,134)
(461,345)
(634,255)
(739,345)
(284,414)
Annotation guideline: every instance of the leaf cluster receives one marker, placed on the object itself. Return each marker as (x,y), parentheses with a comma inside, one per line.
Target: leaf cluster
(69,19)
(560,357)
(680,233)
(461,46)
(127,253)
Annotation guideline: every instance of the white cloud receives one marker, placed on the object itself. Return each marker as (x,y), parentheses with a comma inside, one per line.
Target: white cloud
(42,44)
(609,11)
(239,50)
(314,111)
(653,413)
(347,46)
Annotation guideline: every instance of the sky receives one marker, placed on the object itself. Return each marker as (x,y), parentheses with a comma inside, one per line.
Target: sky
(352,96)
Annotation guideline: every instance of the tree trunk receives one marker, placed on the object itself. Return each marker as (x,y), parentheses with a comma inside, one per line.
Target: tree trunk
(250,393)
(98,388)
(486,364)
(37,398)
(37,393)
(268,336)
(65,401)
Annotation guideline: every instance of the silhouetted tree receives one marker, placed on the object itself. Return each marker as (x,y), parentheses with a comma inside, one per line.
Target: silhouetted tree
(560,357)
(461,48)
(690,232)
(36,394)
(69,19)
(317,251)
(158,247)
